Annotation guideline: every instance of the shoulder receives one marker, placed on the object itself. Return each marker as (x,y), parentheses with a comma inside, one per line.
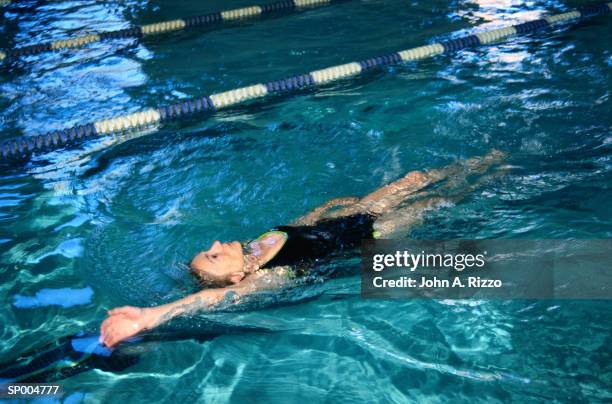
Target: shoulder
(272,237)
(266,246)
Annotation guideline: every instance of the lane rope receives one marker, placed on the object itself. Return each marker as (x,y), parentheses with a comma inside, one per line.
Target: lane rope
(23,146)
(207,20)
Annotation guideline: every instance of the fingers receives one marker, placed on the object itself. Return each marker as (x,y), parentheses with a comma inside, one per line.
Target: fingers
(113,329)
(109,330)
(113,334)
(105,327)
(117,328)
(105,331)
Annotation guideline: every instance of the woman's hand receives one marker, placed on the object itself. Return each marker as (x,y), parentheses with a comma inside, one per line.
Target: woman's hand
(125,322)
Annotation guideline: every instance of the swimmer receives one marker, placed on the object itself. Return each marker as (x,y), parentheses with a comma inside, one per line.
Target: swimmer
(232,270)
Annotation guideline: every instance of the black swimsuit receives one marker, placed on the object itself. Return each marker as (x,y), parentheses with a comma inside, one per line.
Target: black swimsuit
(308,244)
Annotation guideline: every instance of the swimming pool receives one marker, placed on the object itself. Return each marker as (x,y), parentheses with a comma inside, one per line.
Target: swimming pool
(114,219)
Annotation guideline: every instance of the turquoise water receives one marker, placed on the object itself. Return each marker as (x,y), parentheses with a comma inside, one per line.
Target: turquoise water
(113,220)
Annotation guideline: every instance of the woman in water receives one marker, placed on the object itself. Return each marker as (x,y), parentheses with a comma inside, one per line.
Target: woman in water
(232,270)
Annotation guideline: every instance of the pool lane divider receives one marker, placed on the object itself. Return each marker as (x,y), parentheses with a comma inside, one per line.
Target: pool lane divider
(148,30)
(23,146)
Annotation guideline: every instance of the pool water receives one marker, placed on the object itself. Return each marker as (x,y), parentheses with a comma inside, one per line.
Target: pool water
(113,221)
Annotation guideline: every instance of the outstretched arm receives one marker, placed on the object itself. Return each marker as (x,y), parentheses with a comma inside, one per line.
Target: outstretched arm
(125,322)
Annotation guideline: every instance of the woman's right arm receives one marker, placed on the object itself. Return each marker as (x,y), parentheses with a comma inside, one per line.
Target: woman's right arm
(125,322)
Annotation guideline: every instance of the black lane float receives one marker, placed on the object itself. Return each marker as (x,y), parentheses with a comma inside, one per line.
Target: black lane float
(24,146)
(207,20)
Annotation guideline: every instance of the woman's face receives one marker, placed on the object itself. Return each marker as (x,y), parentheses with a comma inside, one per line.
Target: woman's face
(220,265)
